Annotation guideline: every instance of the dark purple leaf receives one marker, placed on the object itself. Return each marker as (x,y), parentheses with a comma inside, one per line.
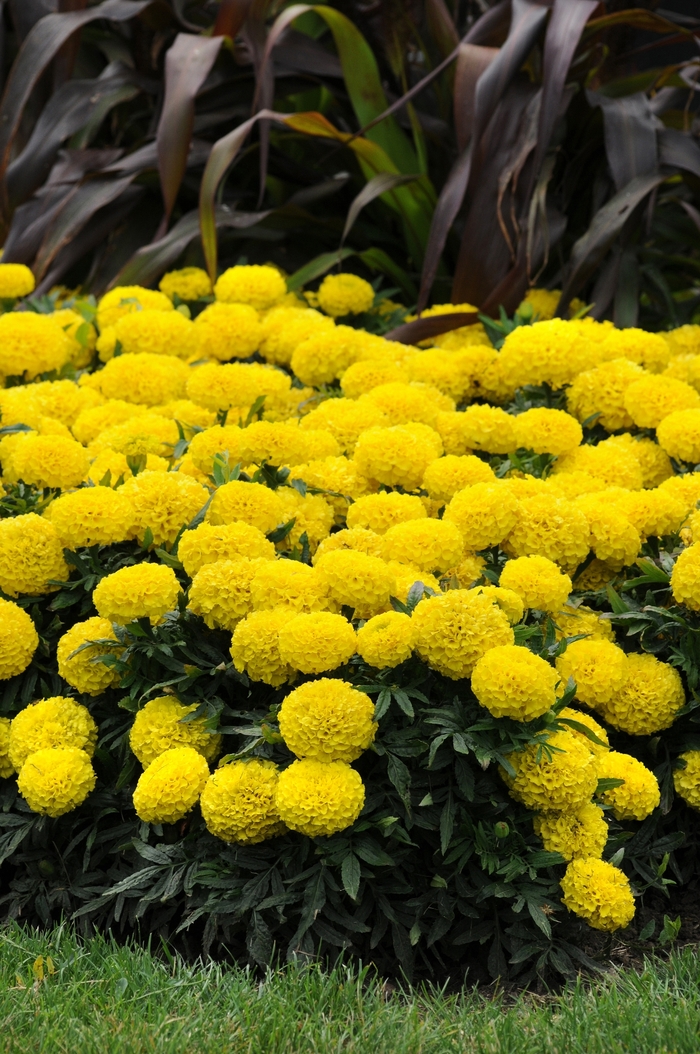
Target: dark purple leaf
(630,135)
(425,328)
(678,150)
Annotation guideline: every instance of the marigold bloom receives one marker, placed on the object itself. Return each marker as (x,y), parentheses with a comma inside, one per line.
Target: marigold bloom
(31,344)
(537,581)
(16,280)
(563,781)
(327,720)
(55,722)
(157,333)
(209,543)
(649,699)
(386,640)
(238,802)
(92,516)
(512,682)
(551,527)
(431,545)
(171,785)
(83,671)
(221,592)
(355,580)
(397,456)
(599,668)
(652,398)
(188,283)
(685,578)
(598,893)
(548,431)
(582,833)
(485,514)
(160,726)
(56,780)
(18,640)
(140,591)
(163,503)
(451,473)
(31,555)
(246,502)
(686,780)
(379,512)
(345,294)
(228,331)
(319,798)
(454,630)
(125,299)
(258,285)
(255,647)
(50,461)
(638,796)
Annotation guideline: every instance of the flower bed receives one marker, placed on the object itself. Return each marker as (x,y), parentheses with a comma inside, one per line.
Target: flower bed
(317,640)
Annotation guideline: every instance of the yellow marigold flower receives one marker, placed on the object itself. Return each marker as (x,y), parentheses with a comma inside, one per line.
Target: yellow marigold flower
(509,681)
(509,602)
(312,516)
(163,503)
(654,513)
(149,434)
(284,443)
(188,414)
(616,465)
(538,582)
(405,404)
(679,435)
(638,796)
(449,474)
(144,378)
(83,671)
(288,583)
(543,303)
(489,428)
(6,767)
(345,294)
(110,468)
(650,698)
(92,516)
(685,578)
(235,386)
(228,331)
(451,372)
(599,893)
(562,781)
(319,798)
(18,640)
(140,591)
(327,720)
(380,512)
(386,640)
(209,543)
(189,283)
(317,642)
(652,398)
(547,431)
(96,419)
(356,580)
(335,474)
(283,328)
(359,539)
(485,514)
(218,439)
(595,577)
(238,802)
(683,340)
(248,502)
(16,280)
(260,286)
(454,630)
(613,538)
(552,352)
(397,456)
(55,722)
(221,592)
(551,527)
(128,299)
(160,725)
(171,785)
(431,545)
(367,374)
(571,485)
(573,620)
(650,350)
(345,419)
(468,571)
(601,391)
(158,333)
(56,780)
(582,833)
(686,488)
(31,556)
(407,576)
(686,780)
(255,647)
(569,714)
(655,462)
(326,354)
(598,667)
(50,461)
(82,336)
(31,344)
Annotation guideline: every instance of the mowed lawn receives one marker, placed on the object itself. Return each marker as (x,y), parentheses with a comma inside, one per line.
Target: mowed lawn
(98,996)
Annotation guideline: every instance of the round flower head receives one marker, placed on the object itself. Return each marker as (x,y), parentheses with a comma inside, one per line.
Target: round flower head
(561,780)
(6,767)
(548,352)
(283,328)
(601,391)
(367,374)
(652,398)
(238,802)
(551,527)
(50,461)
(398,456)
(355,580)
(144,378)
(547,431)
(255,647)
(359,539)
(189,283)
(18,640)
(157,333)
(386,640)
(96,419)
(235,386)
(56,780)
(431,545)
(312,516)
(15,280)
(288,583)
(31,344)
(649,699)
(283,443)
(653,461)
(582,833)
(228,331)
(31,555)
(485,514)
(654,513)
(260,286)
(55,722)
(226,440)
(327,720)
(160,726)
(80,666)
(599,893)
(538,582)
(140,591)
(82,337)
(512,682)
(447,475)
(111,469)
(171,785)
(568,714)
(326,354)
(319,798)
(598,667)
(163,503)
(614,464)
(638,796)
(246,502)
(221,592)
(345,294)
(127,299)
(316,642)
(488,428)
(685,578)
(574,621)
(454,630)
(92,516)
(451,372)
(345,419)
(407,576)
(686,488)
(612,538)
(678,435)
(409,403)
(509,602)
(648,349)
(380,512)
(208,543)
(686,778)
(149,433)
(468,571)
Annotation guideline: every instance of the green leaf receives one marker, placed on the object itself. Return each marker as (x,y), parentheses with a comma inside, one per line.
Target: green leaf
(316,267)
(350,871)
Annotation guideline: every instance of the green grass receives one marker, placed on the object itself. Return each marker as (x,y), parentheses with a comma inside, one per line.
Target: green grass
(105,998)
